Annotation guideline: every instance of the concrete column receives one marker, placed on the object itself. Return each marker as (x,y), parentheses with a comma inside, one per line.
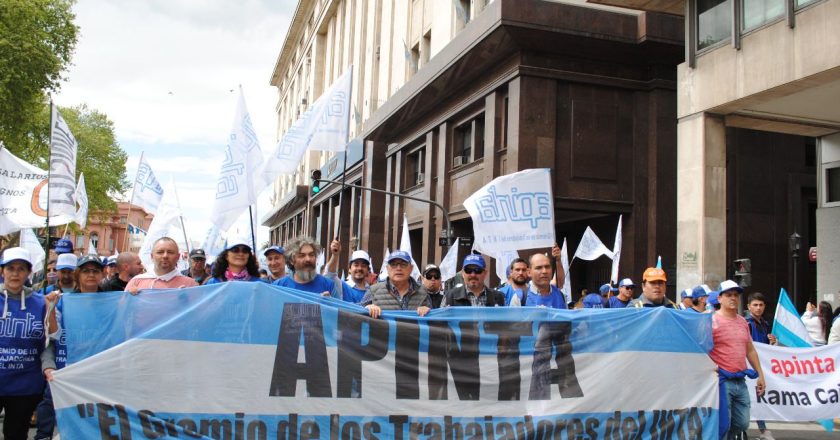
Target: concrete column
(828,227)
(701,201)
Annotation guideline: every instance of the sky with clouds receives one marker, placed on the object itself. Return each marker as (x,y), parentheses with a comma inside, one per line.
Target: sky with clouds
(166,72)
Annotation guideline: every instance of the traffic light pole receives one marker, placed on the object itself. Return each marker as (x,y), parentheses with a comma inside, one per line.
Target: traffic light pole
(417,199)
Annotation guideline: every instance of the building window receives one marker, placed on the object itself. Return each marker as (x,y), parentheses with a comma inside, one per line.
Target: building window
(415,167)
(111,245)
(760,12)
(463,12)
(468,141)
(426,49)
(713,22)
(832,184)
(80,241)
(123,220)
(800,3)
(94,242)
(414,61)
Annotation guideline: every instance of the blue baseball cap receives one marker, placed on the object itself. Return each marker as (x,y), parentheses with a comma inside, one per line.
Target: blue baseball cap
(474,260)
(399,255)
(713,298)
(278,249)
(700,291)
(606,288)
(686,293)
(63,246)
(593,301)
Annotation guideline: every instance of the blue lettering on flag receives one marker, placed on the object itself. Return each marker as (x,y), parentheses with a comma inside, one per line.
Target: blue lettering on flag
(529,207)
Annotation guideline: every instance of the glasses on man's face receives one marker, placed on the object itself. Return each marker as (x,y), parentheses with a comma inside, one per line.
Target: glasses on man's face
(432,277)
(240,250)
(398,263)
(473,270)
(90,271)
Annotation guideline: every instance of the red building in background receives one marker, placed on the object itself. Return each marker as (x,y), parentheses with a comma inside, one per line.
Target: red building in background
(106,231)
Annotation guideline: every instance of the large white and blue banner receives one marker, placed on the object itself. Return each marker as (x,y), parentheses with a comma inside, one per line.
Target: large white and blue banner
(62,178)
(147,192)
(23,195)
(513,212)
(255,361)
(802,384)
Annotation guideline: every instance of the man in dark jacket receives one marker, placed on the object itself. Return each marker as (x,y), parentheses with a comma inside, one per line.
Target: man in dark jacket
(399,291)
(128,266)
(473,292)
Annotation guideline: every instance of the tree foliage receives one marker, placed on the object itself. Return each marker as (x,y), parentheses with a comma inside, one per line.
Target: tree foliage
(37,38)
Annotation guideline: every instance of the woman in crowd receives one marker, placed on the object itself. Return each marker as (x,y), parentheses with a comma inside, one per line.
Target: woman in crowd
(21,377)
(236,263)
(90,271)
(818,321)
(834,334)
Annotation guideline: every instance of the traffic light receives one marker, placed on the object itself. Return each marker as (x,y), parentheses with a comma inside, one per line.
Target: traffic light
(742,268)
(316,181)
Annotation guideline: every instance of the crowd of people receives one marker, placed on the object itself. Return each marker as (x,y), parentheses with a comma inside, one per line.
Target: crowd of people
(30,353)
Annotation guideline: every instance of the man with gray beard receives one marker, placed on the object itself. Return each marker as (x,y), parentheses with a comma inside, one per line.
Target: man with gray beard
(302,253)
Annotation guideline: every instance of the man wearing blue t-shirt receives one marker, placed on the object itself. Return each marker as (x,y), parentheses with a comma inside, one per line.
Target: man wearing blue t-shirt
(517,283)
(541,293)
(625,294)
(302,253)
(359,271)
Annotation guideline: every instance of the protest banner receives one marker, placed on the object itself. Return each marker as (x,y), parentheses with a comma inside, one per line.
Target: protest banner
(513,212)
(255,361)
(23,195)
(802,383)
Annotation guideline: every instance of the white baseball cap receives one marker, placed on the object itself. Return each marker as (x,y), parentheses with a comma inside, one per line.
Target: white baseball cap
(66,261)
(360,255)
(16,254)
(238,241)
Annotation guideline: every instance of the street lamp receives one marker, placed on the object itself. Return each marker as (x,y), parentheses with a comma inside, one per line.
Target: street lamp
(795,244)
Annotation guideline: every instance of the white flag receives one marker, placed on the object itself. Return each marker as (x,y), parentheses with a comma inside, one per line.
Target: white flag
(168,215)
(405,245)
(82,200)
(29,241)
(449,264)
(616,252)
(323,126)
(591,247)
(237,188)
(319,261)
(383,271)
(63,149)
(503,260)
(24,202)
(214,242)
(513,212)
(147,191)
(564,261)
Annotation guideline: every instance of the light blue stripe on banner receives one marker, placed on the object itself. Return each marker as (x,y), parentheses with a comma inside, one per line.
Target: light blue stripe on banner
(107,421)
(251,313)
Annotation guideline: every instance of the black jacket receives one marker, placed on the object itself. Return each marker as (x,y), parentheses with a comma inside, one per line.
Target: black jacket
(458,297)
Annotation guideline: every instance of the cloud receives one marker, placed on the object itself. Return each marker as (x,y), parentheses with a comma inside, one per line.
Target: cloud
(167,73)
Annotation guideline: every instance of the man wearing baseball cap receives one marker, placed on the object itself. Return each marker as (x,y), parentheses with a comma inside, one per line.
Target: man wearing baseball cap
(597,300)
(275,259)
(65,266)
(653,290)
(473,292)
(198,266)
(399,291)
(733,346)
(685,299)
(625,294)
(432,282)
(359,273)
(699,296)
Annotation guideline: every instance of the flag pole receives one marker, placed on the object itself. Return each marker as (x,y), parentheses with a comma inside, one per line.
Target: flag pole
(49,170)
(181,217)
(130,201)
(344,167)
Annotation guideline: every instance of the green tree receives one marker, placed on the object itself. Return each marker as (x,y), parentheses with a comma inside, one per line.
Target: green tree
(37,38)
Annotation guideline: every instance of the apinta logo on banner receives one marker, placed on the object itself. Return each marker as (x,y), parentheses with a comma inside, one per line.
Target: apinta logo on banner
(513,212)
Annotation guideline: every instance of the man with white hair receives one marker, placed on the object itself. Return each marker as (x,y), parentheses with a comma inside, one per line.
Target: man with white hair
(165,274)
(302,252)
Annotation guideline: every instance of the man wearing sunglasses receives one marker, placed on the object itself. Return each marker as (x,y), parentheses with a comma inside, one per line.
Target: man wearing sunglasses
(399,291)
(473,293)
(432,283)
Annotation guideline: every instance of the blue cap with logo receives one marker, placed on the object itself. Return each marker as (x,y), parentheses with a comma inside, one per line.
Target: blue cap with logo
(63,246)
(474,260)
(700,291)
(399,255)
